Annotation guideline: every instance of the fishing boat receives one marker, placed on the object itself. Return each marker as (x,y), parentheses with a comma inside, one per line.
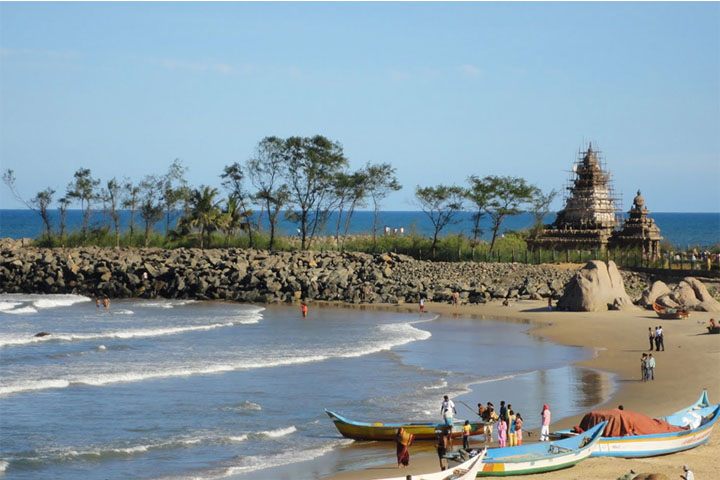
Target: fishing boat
(693,426)
(386,431)
(667,313)
(465,471)
(540,457)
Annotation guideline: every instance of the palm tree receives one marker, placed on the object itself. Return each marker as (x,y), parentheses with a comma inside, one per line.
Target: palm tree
(204,212)
(232,217)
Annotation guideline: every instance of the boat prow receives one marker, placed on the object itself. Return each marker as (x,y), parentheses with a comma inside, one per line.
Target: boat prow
(465,471)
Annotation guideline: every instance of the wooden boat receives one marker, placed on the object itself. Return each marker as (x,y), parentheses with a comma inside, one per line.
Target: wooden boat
(700,417)
(670,313)
(386,431)
(465,471)
(540,457)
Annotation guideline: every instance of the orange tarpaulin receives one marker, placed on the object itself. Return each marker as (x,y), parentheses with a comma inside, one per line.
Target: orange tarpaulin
(622,423)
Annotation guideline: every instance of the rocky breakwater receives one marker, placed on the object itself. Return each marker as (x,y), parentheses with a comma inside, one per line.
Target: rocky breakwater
(261,276)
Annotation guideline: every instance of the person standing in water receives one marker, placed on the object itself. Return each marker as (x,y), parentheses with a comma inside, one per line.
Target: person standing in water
(304,309)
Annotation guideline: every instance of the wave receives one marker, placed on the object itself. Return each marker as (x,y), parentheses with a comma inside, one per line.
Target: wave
(21,310)
(52,301)
(3,465)
(165,303)
(121,334)
(439,386)
(8,305)
(123,312)
(262,462)
(279,432)
(392,335)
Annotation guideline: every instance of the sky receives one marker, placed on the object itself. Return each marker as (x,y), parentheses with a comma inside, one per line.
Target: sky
(440,91)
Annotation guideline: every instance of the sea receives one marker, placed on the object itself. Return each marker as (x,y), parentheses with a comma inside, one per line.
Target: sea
(682,230)
(177,389)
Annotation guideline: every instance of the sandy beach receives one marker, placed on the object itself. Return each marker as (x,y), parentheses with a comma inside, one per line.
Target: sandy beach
(688,364)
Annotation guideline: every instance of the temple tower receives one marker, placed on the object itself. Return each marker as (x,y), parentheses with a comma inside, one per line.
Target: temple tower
(589,216)
(639,231)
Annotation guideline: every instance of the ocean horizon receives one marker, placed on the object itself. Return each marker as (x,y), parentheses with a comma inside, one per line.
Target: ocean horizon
(682,230)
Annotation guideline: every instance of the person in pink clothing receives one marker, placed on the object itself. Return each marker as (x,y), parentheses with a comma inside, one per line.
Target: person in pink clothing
(518,428)
(502,432)
(546,417)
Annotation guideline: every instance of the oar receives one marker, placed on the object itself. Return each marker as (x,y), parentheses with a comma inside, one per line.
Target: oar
(468,407)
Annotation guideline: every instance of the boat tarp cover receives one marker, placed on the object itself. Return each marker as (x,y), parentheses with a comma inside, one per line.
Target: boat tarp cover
(621,423)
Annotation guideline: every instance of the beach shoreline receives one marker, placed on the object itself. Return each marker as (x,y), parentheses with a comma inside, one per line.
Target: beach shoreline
(617,338)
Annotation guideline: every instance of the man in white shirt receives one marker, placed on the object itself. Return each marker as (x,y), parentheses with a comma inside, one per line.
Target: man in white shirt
(447,409)
(688,474)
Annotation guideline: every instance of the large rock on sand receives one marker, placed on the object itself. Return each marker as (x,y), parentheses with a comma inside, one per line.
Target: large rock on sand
(596,287)
(656,290)
(697,295)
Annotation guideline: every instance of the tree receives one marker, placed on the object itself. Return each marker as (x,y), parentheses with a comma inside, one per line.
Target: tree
(350,192)
(381,181)
(174,190)
(312,165)
(479,193)
(267,170)
(63,204)
(540,207)
(232,218)
(204,212)
(111,196)
(508,195)
(131,196)
(441,204)
(151,210)
(39,203)
(233,181)
(83,188)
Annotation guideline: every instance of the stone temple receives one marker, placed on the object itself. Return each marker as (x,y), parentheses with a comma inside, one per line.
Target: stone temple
(589,220)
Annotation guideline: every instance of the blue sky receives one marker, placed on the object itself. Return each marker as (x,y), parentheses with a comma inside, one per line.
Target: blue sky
(441,91)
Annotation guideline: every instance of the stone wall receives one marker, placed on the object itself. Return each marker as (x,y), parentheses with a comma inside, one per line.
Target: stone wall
(261,276)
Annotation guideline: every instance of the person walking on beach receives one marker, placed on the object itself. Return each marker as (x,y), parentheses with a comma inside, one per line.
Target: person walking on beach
(546,416)
(304,309)
(466,435)
(518,428)
(661,338)
(403,439)
(643,367)
(651,337)
(442,447)
(503,411)
(502,432)
(455,299)
(489,418)
(481,410)
(422,305)
(687,473)
(448,411)
(657,339)
(651,367)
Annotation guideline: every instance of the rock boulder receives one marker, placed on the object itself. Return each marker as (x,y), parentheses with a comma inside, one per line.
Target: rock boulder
(596,287)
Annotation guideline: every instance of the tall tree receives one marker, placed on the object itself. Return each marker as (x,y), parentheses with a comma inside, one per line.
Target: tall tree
(233,180)
(313,163)
(39,203)
(174,190)
(131,198)
(204,213)
(350,192)
(441,204)
(479,194)
(381,181)
(151,208)
(508,195)
(231,219)
(267,169)
(83,188)
(540,207)
(63,204)
(111,197)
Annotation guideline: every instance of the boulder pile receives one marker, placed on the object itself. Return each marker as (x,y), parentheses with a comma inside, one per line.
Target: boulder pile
(689,293)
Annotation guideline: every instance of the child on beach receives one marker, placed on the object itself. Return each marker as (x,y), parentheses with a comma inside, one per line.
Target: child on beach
(502,433)
(304,309)
(518,428)
(466,435)
(546,417)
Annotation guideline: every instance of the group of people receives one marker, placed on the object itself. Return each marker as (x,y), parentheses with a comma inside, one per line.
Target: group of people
(656,338)
(105,303)
(647,367)
(509,424)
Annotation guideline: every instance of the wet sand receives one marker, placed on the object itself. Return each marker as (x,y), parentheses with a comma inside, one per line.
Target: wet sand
(690,362)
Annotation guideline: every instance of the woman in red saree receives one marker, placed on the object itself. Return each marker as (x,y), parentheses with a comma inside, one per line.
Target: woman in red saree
(403,439)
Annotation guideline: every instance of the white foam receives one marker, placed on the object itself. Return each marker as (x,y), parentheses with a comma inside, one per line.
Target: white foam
(240,438)
(33,385)
(21,310)
(3,466)
(248,405)
(52,301)
(123,312)
(121,334)
(102,347)
(441,385)
(165,303)
(279,432)
(8,305)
